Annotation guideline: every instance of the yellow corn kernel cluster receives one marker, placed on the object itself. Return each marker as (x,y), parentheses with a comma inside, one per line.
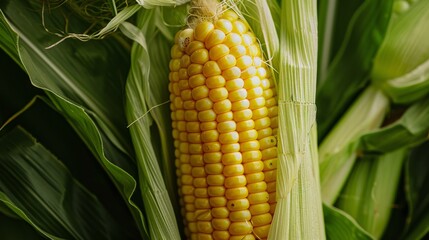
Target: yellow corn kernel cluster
(224,118)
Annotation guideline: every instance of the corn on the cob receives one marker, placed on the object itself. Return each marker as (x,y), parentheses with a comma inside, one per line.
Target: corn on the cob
(224,118)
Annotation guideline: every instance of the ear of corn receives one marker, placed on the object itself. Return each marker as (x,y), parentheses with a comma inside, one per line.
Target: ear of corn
(224,118)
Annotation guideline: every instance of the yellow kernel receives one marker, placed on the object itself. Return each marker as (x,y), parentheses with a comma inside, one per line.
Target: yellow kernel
(202,30)
(193,227)
(209,136)
(271,102)
(174,76)
(174,65)
(249,146)
(216,191)
(214,168)
(238,51)
(206,116)
(189,207)
(176,89)
(238,204)
(272,111)
(217,202)
(178,103)
(253,167)
(231,73)
(212,157)
(257,187)
(203,215)
(194,69)
(245,125)
(200,192)
(220,212)
(244,62)
(220,235)
(237,95)
(240,105)
(186,179)
(240,216)
(186,94)
(198,172)
(233,170)
(257,103)
(227,126)
(184,147)
(270,164)
(248,72)
(239,27)
(266,132)
(251,156)
(229,137)
(211,68)
(254,50)
(204,126)
(262,123)
(257,62)
(214,38)
(232,39)
(204,227)
(197,80)
(185,169)
(175,51)
(191,115)
(261,232)
(185,37)
(181,126)
(231,158)
(189,104)
(268,142)
(200,182)
(200,56)
(224,117)
(185,60)
(193,127)
(242,115)
(234,84)
(236,193)
(200,92)
(243,237)
(240,228)
(247,39)
(215,180)
(226,62)
(218,51)
(204,104)
(222,106)
(221,223)
(265,83)
(270,176)
(224,25)
(269,153)
(252,82)
(193,46)
(260,208)
(230,15)
(271,187)
(255,93)
(259,113)
(248,135)
(256,198)
(218,94)
(255,177)
(188,199)
(215,82)
(235,181)
(230,148)
(211,147)
(262,72)
(195,148)
(274,122)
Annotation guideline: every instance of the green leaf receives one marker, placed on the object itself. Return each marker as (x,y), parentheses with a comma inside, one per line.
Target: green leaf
(417,180)
(340,226)
(370,191)
(38,188)
(11,228)
(85,82)
(158,206)
(408,131)
(349,72)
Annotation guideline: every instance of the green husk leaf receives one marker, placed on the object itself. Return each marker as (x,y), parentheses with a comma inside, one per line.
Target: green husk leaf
(299,206)
(84,82)
(9,40)
(340,225)
(156,3)
(337,153)
(408,131)
(370,191)
(417,180)
(159,209)
(38,188)
(349,71)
